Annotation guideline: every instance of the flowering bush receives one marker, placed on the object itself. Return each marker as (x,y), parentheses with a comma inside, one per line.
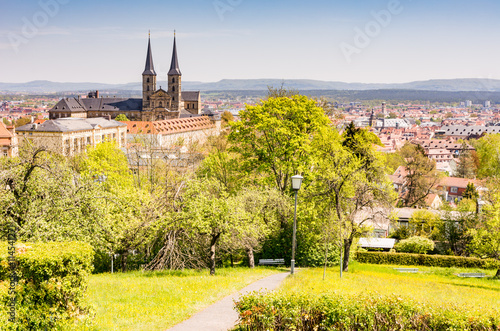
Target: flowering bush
(416,245)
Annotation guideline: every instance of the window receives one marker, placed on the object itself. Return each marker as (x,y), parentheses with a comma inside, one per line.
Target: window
(454,189)
(173,80)
(173,88)
(148,89)
(147,81)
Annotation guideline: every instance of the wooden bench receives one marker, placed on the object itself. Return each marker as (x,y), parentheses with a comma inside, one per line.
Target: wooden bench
(412,270)
(271,261)
(472,275)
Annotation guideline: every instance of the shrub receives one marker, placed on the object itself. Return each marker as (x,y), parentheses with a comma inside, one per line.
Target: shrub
(52,283)
(417,245)
(279,311)
(446,261)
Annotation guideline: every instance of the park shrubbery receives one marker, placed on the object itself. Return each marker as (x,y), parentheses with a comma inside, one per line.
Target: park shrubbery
(417,245)
(51,287)
(446,261)
(358,312)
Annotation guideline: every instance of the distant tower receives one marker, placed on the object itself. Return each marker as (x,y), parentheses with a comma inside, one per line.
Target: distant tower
(384,110)
(148,78)
(174,81)
(372,119)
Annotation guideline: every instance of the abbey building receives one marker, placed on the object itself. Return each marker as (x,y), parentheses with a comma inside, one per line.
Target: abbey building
(156,103)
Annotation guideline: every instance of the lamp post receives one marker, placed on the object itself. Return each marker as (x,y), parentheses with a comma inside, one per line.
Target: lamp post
(296,183)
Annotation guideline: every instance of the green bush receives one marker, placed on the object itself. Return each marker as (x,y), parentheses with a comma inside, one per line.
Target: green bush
(417,245)
(446,261)
(51,287)
(278,311)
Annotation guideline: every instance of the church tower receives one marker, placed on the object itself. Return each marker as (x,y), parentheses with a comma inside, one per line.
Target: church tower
(148,79)
(174,81)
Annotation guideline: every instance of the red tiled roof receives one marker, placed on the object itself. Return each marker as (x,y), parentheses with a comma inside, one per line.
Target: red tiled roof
(170,126)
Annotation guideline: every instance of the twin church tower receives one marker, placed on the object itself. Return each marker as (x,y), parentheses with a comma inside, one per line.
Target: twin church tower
(162,102)
(156,104)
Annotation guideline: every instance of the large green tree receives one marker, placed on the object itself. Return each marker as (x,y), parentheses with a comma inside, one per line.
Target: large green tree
(421,176)
(349,179)
(274,138)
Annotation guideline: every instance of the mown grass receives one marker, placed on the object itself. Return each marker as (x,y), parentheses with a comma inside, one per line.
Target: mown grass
(431,285)
(159,300)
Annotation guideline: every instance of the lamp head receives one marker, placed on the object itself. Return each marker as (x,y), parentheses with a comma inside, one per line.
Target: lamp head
(296,182)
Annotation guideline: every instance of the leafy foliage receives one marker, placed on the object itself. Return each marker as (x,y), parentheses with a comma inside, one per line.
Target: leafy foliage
(53,281)
(274,138)
(417,245)
(281,311)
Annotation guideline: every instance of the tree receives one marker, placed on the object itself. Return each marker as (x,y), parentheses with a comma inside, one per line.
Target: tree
(22,121)
(227,117)
(349,178)
(486,235)
(421,176)
(46,199)
(466,166)
(274,138)
(393,115)
(209,211)
(423,223)
(121,118)
(488,153)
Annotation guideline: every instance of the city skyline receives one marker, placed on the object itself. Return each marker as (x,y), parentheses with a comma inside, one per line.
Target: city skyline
(368,41)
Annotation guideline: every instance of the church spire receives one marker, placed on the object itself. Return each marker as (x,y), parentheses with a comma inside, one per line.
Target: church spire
(149,69)
(174,66)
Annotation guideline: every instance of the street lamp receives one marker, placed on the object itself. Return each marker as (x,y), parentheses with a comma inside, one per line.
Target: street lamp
(296,183)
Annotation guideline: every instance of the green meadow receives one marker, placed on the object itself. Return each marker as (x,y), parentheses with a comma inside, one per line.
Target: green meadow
(158,300)
(431,285)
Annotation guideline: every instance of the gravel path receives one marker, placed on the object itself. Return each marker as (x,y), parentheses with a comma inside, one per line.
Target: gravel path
(221,316)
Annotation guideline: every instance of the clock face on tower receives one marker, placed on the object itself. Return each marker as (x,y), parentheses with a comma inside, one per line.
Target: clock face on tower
(160,94)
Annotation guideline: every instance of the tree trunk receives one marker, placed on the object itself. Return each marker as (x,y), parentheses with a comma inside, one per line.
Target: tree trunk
(251,260)
(124,262)
(232,260)
(213,242)
(498,274)
(347,252)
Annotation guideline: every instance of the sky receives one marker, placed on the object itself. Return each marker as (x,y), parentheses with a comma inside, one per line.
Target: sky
(366,41)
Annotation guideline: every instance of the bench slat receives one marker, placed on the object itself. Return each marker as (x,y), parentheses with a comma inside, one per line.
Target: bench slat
(271,261)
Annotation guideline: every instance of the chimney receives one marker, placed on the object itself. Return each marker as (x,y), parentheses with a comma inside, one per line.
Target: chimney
(97,94)
(109,117)
(31,119)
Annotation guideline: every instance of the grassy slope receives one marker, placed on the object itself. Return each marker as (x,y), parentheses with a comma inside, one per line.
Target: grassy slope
(438,286)
(156,301)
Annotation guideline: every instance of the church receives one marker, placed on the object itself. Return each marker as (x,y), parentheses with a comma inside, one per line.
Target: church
(156,104)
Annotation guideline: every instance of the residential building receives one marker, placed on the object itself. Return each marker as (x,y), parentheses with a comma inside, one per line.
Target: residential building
(8,141)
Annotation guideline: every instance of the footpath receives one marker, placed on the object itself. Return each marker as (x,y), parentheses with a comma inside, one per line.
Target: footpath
(221,316)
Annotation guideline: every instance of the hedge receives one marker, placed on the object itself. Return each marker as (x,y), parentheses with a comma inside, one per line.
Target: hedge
(278,311)
(446,261)
(51,287)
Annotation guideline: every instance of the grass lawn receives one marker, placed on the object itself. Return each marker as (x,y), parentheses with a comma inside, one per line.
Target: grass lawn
(158,300)
(431,285)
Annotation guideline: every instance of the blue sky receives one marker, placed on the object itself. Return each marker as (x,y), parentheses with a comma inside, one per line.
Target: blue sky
(105,41)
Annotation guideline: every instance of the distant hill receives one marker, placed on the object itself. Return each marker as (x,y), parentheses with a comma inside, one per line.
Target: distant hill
(439,85)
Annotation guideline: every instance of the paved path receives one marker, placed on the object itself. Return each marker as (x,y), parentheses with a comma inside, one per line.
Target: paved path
(221,316)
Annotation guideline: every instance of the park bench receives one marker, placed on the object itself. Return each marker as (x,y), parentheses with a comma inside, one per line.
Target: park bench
(472,275)
(271,261)
(412,270)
